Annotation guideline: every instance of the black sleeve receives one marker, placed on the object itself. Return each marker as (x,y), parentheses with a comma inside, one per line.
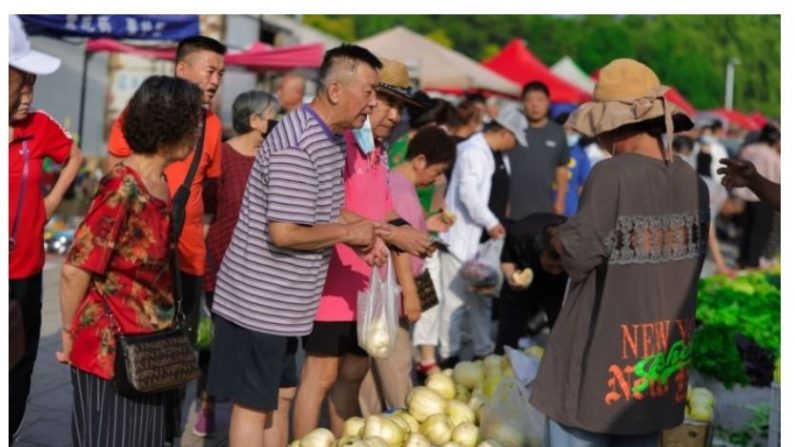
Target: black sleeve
(210,195)
(512,250)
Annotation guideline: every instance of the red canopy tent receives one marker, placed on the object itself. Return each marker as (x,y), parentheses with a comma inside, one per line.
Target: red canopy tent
(740,119)
(759,119)
(672,95)
(517,63)
(257,56)
(675,97)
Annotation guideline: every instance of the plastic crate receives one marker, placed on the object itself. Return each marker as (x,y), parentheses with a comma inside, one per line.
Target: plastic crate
(774,421)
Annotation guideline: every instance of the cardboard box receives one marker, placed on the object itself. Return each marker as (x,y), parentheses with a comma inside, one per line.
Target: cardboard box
(689,434)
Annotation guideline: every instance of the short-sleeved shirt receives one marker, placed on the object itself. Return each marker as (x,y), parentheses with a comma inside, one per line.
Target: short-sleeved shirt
(618,359)
(579,168)
(191,242)
(124,243)
(533,168)
(44,138)
(297,178)
(407,205)
(366,194)
(235,168)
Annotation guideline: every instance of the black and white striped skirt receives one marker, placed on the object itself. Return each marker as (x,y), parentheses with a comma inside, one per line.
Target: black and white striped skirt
(103,418)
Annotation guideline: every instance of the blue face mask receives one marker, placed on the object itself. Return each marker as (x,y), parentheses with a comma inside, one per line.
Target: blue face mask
(572,139)
(707,139)
(364,137)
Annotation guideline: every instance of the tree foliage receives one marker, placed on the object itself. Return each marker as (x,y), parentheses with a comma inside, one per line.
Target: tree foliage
(687,51)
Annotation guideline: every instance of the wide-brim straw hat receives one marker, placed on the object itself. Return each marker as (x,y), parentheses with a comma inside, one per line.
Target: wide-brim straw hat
(627,92)
(394,80)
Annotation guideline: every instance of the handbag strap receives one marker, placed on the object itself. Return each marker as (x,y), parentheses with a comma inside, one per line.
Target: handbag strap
(23,188)
(177,221)
(181,197)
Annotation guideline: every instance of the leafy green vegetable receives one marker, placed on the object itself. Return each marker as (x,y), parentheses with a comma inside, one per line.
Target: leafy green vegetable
(714,353)
(750,303)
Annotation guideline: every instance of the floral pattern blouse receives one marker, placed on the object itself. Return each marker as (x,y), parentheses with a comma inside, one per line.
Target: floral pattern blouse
(123,242)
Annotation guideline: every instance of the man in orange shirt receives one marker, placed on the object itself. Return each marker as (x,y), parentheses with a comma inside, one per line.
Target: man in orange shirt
(199,60)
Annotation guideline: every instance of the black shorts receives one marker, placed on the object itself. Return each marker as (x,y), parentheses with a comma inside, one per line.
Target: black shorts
(334,338)
(249,367)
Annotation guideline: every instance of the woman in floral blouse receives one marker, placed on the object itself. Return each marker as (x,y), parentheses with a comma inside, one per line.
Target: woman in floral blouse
(120,262)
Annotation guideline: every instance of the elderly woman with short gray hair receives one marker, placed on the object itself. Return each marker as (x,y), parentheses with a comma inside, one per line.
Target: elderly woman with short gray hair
(252,117)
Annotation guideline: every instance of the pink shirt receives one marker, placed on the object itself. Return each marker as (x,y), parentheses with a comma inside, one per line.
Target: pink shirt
(407,205)
(366,194)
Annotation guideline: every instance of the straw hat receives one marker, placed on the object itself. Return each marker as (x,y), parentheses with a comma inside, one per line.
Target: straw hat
(627,92)
(394,81)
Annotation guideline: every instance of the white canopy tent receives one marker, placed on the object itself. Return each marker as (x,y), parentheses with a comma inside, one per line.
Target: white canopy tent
(437,67)
(567,69)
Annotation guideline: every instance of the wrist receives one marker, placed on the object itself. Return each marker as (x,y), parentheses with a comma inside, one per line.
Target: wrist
(345,233)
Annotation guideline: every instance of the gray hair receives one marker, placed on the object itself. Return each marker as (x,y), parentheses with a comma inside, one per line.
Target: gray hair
(253,102)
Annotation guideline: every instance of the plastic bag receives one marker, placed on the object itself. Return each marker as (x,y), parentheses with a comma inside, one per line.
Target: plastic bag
(204,333)
(509,418)
(484,270)
(378,309)
(525,366)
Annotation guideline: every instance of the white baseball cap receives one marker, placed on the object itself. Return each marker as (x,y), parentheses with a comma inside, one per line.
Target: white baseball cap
(22,57)
(514,121)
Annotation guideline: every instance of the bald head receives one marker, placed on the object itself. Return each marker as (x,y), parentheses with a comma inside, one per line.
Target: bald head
(291,91)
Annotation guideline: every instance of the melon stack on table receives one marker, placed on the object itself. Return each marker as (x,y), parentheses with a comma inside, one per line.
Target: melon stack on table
(445,412)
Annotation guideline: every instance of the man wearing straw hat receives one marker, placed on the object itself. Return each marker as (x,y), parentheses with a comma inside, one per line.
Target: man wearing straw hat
(617,365)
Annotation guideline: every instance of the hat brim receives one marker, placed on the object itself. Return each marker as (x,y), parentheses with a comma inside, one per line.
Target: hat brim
(36,62)
(397,94)
(521,138)
(598,117)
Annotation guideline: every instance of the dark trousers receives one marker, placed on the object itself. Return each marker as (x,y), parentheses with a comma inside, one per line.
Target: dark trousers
(204,356)
(514,314)
(103,418)
(27,292)
(191,289)
(757,220)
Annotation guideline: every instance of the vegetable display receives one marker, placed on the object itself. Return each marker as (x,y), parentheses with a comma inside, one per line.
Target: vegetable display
(738,338)
(447,411)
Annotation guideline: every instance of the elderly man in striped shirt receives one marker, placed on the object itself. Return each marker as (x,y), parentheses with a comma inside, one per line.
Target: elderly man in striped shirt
(270,280)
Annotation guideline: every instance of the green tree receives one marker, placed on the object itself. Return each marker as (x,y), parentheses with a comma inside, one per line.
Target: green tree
(440,36)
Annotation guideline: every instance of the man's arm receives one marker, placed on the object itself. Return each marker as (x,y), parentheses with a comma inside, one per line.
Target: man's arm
(742,173)
(469,195)
(561,187)
(406,238)
(68,174)
(292,236)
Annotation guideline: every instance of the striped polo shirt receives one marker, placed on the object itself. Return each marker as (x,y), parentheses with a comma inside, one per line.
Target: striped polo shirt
(296,178)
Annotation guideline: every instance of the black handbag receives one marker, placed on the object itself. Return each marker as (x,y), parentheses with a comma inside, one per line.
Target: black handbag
(163,360)
(426,291)
(155,362)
